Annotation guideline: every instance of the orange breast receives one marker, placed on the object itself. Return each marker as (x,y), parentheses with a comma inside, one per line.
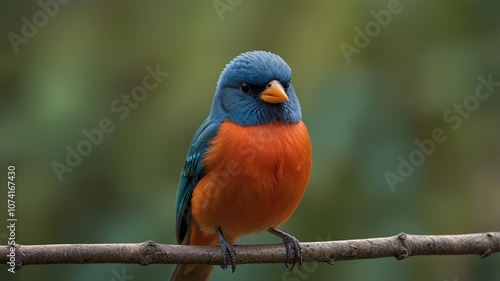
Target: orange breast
(255,178)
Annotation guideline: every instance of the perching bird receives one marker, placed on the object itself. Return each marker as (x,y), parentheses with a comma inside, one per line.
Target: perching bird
(248,165)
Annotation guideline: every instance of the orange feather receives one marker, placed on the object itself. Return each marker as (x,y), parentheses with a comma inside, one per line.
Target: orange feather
(255,178)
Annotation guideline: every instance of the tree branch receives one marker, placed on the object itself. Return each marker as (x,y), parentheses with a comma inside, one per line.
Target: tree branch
(400,246)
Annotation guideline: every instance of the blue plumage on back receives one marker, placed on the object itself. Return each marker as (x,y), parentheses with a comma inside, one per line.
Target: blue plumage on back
(191,173)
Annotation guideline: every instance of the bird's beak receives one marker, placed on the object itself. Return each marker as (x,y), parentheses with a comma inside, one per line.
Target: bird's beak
(274,93)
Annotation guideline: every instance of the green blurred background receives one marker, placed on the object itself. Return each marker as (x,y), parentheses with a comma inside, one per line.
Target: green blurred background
(361,116)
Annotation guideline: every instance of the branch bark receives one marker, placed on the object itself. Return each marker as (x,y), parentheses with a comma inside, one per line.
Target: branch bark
(399,246)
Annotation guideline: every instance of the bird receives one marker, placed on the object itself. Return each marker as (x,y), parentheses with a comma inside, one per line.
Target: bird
(248,165)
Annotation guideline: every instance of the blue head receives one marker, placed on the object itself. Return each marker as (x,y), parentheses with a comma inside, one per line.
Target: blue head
(255,88)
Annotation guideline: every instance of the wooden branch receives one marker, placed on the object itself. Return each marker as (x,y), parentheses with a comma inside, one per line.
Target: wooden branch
(400,246)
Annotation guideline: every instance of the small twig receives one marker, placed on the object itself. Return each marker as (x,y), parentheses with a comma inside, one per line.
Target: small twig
(400,246)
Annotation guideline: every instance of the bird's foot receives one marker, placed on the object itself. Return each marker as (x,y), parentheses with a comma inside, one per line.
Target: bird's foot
(227,251)
(291,244)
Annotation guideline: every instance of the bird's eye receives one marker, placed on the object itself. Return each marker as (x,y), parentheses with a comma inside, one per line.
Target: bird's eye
(286,85)
(245,88)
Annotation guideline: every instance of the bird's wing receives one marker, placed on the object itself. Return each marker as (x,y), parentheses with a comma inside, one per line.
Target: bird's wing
(191,173)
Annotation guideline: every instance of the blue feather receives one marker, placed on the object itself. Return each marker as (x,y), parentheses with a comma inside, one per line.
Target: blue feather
(191,173)
(256,68)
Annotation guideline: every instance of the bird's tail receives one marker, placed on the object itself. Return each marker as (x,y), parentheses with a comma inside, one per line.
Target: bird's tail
(195,272)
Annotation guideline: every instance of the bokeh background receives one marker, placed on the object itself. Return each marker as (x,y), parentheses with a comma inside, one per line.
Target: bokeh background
(361,116)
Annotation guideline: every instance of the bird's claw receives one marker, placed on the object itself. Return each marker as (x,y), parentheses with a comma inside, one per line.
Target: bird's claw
(292,245)
(227,251)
